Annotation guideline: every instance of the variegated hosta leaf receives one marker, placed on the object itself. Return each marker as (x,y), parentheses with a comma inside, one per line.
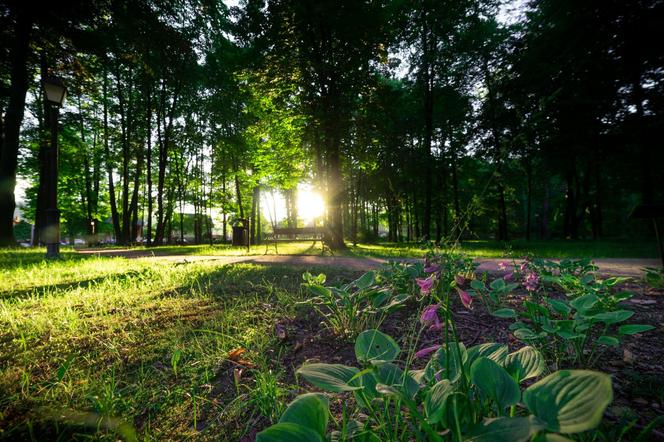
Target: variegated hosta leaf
(524,364)
(570,401)
(495,382)
(330,377)
(492,350)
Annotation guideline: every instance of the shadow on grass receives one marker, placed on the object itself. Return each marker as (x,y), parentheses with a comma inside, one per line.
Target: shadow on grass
(17,257)
(205,318)
(43,290)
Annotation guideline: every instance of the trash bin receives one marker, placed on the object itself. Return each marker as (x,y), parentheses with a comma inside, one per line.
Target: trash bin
(241,233)
(238,236)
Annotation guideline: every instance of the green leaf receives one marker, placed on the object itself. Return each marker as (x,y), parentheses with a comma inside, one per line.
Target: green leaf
(477,285)
(366,380)
(453,351)
(608,340)
(524,364)
(525,334)
(389,390)
(464,409)
(418,375)
(393,376)
(492,350)
(560,307)
(435,400)
(497,284)
(374,346)
(495,382)
(310,410)
(584,303)
(288,431)
(505,429)
(504,313)
(613,317)
(319,290)
(365,280)
(517,325)
(64,368)
(330,377)
(570,401)
(633,329)
(569,335)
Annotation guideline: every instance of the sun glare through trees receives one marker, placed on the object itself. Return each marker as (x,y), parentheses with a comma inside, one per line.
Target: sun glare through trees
(332,220)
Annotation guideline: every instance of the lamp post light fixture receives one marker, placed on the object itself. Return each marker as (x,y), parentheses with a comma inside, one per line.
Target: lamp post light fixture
(55,93)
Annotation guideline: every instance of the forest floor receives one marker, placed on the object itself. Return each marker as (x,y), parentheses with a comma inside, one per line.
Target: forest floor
(206,347)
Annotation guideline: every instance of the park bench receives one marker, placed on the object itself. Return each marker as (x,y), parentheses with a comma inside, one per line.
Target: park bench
(283,234)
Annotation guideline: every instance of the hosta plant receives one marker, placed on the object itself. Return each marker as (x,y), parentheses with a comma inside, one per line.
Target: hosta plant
(400,275)
(350,308)
(492,295)
(654,277)
(573,332)
(473,394)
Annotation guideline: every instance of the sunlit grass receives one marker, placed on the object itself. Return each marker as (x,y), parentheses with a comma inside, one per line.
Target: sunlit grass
(91,338)
(475,248)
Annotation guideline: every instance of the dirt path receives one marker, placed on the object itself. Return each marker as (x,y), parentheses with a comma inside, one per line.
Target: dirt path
(610,266)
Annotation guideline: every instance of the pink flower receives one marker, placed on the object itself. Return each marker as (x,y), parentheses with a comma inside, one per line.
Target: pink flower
(431,268)
(459,280)
(425,284)
(430,317)
(466,299)
(503,265)
(425,351)
(532,281)
(508,276)
(524,266)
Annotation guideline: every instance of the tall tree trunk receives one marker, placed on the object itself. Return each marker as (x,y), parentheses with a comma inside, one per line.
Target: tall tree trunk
(149,163)
(87,196)
(223,191)
(455,189)
(109,167)
(164,146)
(18,58)
(238,193)
(133,206)
(252,224)
(334,187)
(495,134)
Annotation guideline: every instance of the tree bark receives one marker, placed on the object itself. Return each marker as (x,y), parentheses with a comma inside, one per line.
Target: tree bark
(149,163)
(18,57)
(109,168)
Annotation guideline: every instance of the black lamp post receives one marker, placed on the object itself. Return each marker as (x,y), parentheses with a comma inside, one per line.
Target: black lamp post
(55,93)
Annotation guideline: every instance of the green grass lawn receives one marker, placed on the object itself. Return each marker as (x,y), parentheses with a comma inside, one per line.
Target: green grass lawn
(114,344)
(476,248)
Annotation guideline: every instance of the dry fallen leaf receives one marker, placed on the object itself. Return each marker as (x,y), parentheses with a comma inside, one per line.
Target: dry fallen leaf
(236,354)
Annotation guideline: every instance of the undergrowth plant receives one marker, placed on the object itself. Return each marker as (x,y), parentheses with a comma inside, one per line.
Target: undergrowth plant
(654,277)
(350,308)
(572,332)
(461,394)
(576,329)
